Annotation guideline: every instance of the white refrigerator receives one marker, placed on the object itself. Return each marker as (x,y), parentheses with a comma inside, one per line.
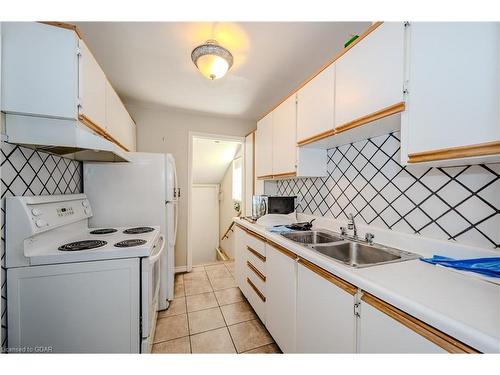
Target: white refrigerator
(141,192)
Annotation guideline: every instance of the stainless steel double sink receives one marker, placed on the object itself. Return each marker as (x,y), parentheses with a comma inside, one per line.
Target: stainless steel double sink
(353,252)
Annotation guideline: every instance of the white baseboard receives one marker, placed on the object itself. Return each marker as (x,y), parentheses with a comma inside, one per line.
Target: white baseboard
(180,269)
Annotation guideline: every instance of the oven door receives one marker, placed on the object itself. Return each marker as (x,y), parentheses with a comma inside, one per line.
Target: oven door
(150,287)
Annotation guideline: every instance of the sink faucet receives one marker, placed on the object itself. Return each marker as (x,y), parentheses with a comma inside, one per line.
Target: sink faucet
(351,225)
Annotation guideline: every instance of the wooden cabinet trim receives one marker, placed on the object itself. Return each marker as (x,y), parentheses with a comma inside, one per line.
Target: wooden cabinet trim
(337,56)
(388,111)
(384,112)
(265,177)
(430,333)
(282,250)
(96,128)
(251,233)
(64,25)
(349,288)
(481,149)
(257,254)
(256,271)
(316,137)
(284,175)
(256,290)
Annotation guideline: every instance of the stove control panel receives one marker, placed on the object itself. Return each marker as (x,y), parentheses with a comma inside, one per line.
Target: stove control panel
(48,212)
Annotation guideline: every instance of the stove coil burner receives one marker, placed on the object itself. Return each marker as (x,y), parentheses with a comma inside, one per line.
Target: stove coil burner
(138,230)
(130,243)
(104,231)
(82,245)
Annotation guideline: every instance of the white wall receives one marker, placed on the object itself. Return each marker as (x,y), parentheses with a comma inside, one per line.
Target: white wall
(226,208)
(165,130)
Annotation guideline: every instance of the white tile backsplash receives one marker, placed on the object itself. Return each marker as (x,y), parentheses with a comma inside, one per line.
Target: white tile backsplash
(460,204)
(28,172)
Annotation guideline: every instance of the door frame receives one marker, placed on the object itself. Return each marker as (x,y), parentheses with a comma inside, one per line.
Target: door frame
(219,137)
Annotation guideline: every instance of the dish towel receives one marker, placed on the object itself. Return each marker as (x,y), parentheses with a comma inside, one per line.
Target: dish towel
(279,229)
(484,266)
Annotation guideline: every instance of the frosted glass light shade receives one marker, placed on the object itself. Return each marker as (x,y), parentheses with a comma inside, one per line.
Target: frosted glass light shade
(212,60)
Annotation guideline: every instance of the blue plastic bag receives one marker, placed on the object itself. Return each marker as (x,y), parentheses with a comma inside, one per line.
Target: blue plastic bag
(484,266)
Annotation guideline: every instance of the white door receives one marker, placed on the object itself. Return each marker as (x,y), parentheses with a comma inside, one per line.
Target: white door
(379,333)
(315,105)
(285,137)
(369,77)
(325,316)
(281,289)
(92,87)
(264,147)
(204,223)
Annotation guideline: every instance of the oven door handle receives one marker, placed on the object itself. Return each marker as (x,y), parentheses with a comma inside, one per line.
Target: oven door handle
(155,256)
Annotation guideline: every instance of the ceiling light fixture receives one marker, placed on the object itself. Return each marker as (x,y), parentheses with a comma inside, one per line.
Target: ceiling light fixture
(211,59)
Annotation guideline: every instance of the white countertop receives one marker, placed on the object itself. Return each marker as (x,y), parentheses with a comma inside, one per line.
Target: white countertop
(462,306)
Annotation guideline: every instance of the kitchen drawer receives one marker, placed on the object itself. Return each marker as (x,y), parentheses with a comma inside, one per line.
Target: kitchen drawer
(256,259)
(256,277)
(255,243)
(256,298)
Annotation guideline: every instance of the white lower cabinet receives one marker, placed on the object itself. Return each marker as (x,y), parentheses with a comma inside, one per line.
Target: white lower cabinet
(281,284)
(379,333)
(325,316)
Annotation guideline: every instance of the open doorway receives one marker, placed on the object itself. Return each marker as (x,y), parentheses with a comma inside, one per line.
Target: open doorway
(216,175)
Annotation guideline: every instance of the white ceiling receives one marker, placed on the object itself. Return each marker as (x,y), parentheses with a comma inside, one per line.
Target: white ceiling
(211,159)
(151,62)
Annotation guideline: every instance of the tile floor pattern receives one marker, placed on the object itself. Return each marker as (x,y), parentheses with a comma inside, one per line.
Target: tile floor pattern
(209,314)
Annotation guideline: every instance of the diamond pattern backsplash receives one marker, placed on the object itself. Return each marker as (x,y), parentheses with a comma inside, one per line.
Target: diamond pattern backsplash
(366,178)
(28,172)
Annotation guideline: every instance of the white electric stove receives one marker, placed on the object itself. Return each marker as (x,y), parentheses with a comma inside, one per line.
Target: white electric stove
(76,289)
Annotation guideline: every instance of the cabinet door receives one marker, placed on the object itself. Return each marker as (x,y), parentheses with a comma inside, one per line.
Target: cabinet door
(240,259)
(132,130)
(315,105)
(285,137)
(281,284)
(454,97)
(325,316)
(264,146)
(369,76)
(379,333)
(92,87)
(39,70)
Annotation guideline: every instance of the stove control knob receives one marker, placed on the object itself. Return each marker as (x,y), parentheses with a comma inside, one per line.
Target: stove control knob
(36,212)
(85,203)
(87,211)
(40,223)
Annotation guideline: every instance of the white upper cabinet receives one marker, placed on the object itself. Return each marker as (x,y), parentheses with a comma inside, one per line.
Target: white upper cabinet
(39,70)
(264,147)
(453,101)
(325,316)
(281,291)
(92,88)
(285,137)
(369,77)
(315,105)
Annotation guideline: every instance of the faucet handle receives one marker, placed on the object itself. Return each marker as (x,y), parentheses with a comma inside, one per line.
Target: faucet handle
(369,237)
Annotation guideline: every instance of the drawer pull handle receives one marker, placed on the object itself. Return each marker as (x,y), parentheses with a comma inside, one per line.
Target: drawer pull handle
(256,290)
(256,271)
(257,254)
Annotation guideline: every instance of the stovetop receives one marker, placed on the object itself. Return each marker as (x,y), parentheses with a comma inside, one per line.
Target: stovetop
(90,244)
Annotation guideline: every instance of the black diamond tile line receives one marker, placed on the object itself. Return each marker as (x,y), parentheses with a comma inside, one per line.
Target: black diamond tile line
(34,173)
(367,179)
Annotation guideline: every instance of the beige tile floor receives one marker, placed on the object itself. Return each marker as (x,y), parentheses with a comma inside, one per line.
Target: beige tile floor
(209,314)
